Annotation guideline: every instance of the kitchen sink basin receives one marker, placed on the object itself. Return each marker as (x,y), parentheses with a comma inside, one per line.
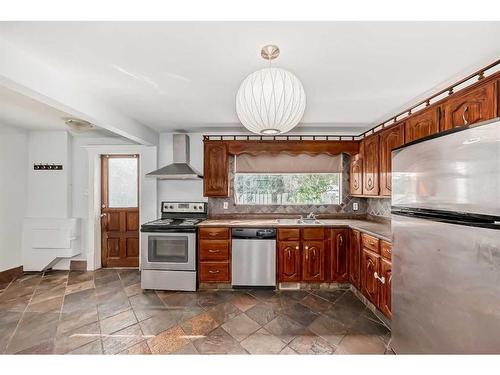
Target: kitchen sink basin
(299,222)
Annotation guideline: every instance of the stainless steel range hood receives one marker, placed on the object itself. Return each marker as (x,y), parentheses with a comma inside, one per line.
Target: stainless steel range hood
(180,169)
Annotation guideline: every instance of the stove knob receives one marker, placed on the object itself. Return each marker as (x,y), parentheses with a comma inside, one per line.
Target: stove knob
(201,207)
(195,207)
(171,207)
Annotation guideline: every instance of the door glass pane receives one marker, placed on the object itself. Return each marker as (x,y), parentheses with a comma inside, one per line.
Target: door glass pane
(122,182)
(168,249)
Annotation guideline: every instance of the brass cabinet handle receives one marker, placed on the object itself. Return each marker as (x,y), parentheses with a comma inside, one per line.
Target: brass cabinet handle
(307,247)
(213,251)
(210,271)
(296,247)
(340,240)
(289,253)
(466,110)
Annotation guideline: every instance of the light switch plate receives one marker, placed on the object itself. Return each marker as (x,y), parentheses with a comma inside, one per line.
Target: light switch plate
(355,206)
(225,205)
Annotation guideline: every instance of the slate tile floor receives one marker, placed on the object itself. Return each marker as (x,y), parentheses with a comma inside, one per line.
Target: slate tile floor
(106,312)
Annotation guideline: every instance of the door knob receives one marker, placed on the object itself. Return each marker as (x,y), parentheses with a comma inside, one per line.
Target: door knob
(104,214)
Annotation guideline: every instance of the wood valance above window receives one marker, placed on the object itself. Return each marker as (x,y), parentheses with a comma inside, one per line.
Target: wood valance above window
(284,163)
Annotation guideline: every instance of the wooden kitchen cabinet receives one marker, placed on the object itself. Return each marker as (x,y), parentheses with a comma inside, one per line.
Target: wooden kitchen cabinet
(214,254)
(369,284)
(471,106)
(339,250)
(313,261)
(385,288)
(354,257)
(370,165)
(389,140)
(289,261)
(356,175)
(215,169)
(301,254)
(423,123)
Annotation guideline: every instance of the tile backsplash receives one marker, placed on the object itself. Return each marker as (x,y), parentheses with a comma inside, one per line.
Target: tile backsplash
(345,209)
(380,207)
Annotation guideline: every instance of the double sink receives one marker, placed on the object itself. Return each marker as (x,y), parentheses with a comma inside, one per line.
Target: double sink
(301,221)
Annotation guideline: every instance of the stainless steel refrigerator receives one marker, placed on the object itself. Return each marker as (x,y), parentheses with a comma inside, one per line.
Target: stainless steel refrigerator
(446,243)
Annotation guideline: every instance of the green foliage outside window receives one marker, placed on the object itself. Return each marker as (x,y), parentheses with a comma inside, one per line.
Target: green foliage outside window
(301,188)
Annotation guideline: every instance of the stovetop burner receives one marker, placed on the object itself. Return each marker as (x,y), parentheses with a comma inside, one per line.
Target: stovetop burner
(177,216)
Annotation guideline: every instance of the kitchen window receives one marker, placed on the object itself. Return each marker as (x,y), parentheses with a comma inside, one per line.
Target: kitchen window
(287,180)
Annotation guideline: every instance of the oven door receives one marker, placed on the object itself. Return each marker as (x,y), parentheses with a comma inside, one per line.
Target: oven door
(169,251)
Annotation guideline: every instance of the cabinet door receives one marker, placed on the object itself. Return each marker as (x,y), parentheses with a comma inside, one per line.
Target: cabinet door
(289,260)
(389,140)
(354,257)
(313,261)
(215,170)
(385,288)
(422,124)
(339,251)
(369,284)
(472,106)
(356,175)
(370,165)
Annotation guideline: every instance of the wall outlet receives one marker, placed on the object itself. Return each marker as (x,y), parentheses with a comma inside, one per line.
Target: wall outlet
(225,205)
(355,206)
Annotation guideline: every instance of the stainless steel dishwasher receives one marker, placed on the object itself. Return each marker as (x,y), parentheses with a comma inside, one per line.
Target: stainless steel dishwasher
(253,261)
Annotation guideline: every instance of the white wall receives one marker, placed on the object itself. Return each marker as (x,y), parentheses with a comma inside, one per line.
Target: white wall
(13,190)
(188,190)
(49,192)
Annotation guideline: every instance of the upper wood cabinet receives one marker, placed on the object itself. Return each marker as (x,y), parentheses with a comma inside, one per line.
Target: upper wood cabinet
(423,123)
(389,140)
(370,165)
(471,106)
(216,170)
(356,175)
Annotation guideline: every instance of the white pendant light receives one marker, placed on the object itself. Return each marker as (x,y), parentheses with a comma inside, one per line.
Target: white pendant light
(270,100)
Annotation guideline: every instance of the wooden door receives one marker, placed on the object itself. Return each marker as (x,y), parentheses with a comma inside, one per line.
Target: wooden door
(356,175)
(370,165)
(475,105)
(369,284)
(422,124)
(389,140)
(385,288)
(340,253)
(289,261)
(215,170)
(354,257)
(120,210)
(313,261)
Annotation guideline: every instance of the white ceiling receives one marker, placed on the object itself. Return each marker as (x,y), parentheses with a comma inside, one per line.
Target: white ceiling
(184,75)
(20,111)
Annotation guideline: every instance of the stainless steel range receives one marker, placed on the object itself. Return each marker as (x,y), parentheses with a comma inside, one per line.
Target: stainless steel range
(168,259)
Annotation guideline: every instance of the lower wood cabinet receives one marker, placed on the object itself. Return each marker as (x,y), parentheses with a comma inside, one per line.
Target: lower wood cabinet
(384,303)
(289,261)
(214,254)
(369,267)
(354,258)
(313,261)
(339,254)
(304,258)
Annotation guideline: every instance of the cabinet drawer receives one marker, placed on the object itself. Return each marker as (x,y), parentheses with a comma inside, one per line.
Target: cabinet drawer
(288,234)
(313,233)
(386,249)
(214,250)
(214,233)
(369,242)
(214,272)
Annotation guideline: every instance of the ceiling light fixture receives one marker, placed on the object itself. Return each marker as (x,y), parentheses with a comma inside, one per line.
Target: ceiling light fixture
(270,100)
(78,125)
